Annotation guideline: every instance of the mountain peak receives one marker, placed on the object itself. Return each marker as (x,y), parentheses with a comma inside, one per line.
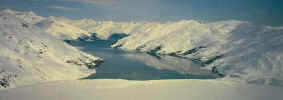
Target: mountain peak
(29,17)
(9,11)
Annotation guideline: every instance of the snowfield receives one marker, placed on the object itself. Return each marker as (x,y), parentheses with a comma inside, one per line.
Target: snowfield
(143,90)
(61,30)
(29,55)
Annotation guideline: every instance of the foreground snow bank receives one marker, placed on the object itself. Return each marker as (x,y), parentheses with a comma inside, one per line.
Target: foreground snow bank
(143,90)
(29,55)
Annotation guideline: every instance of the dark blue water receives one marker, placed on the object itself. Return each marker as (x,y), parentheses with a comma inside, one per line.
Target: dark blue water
(119,64)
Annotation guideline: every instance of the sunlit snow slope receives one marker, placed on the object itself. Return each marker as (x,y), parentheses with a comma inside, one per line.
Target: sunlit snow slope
(29,55)
(143,90)
(55,26)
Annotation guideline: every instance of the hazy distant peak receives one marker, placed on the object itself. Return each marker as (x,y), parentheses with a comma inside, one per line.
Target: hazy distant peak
(9,11)
(29,17)
(87,20)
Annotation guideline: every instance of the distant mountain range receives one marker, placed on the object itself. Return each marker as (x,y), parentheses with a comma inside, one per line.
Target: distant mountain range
(240,50)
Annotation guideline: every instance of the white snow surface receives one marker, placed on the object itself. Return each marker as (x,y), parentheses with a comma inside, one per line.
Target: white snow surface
(60,29)
(30,55)
(143,90)
(29,17)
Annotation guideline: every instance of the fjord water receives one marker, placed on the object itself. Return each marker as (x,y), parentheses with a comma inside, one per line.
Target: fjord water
(131,65)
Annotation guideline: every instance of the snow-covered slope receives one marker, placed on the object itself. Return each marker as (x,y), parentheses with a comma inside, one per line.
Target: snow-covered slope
(29,17)
(143,90)
(29,55)
(105,29)
(60,29)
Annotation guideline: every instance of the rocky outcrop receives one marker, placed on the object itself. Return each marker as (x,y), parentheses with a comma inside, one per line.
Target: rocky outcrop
(6,78)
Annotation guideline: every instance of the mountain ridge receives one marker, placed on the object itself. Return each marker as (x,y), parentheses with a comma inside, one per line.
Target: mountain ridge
(238,49)
(30,55)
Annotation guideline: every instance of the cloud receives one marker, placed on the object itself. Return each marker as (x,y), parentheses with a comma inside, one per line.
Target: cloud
(100,2)
(63,8)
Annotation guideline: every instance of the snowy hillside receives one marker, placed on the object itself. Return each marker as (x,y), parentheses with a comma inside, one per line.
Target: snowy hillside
(60,29)
(55,26)
(29,17)
(29,55)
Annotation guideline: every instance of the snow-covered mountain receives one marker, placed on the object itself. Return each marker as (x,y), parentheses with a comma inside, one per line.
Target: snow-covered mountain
(30,55)
(238,49)
(60,29)
(28,17)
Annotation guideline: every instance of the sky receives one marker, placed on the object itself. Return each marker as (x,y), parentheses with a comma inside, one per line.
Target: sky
(267,12)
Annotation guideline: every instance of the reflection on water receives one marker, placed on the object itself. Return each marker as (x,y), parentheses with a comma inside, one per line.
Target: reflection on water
(120,64)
